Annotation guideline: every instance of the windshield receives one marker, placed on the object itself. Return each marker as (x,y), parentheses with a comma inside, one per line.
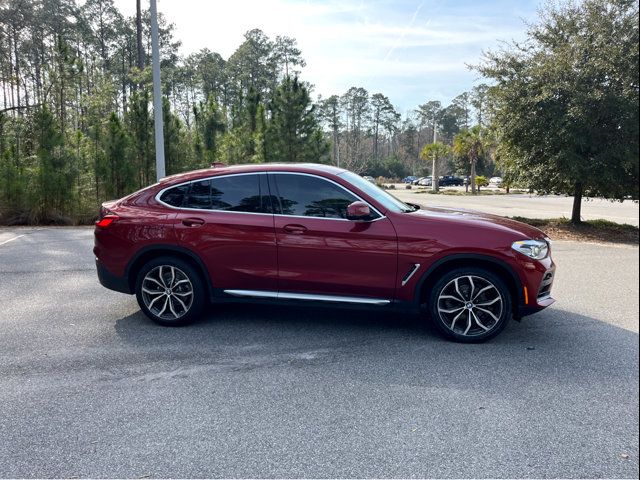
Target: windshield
(388,201)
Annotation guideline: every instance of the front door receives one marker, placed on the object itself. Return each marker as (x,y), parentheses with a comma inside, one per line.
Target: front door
(227,220)
(320,251)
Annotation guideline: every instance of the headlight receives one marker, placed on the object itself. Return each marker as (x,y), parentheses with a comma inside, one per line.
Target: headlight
(536,249)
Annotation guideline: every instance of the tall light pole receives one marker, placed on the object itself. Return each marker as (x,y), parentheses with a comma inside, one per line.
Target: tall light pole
(157,93)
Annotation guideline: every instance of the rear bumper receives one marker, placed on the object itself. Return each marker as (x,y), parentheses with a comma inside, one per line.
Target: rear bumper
(111,281)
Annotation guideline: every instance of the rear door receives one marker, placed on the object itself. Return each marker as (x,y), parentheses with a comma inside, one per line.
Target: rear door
(228,222)
(320,251)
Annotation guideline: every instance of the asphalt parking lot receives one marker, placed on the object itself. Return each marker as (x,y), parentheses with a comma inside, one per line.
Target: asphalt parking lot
(89,387)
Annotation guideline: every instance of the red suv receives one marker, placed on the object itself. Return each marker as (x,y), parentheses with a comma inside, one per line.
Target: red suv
(317,234)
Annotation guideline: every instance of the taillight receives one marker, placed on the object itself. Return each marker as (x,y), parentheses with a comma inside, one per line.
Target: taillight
(106,221)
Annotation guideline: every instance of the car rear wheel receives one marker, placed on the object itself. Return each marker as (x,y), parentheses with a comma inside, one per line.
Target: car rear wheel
(470,305)
(169,291)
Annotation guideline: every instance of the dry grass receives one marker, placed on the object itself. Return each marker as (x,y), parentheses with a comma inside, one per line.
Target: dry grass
(590,230)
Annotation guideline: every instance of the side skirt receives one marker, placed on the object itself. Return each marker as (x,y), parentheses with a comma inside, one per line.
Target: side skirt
(307,296)
(303,299)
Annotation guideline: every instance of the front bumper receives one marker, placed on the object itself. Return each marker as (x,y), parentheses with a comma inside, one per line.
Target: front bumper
(525,310)
(537,294)
(111,281)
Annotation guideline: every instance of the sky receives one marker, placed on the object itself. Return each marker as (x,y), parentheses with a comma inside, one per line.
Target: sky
(410,50)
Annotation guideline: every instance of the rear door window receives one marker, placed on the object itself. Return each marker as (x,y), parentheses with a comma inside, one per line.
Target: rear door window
(241,193)
(231,193)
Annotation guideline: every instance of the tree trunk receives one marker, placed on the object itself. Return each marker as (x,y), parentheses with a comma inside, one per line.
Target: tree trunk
(10,67)
(26,94)
(95,164)
(17,67)
(336,155)
(375,143)
(37,66)
(4,93)
(577,204)
(417,158)
(124,83)
(63,108)
(103,46)
(4,84)
(139,35)
(434,175)
(473,176)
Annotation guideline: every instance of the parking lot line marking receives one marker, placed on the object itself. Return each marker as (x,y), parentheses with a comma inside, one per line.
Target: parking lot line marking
(12,239)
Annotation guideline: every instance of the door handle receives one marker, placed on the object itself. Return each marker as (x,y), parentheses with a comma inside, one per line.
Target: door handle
(192,222)
(295,229)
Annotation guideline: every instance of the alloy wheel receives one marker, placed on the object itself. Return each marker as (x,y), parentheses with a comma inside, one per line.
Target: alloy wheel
(167,292)
(470,305)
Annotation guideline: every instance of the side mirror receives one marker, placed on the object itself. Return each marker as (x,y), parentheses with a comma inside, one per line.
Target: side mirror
(358,211)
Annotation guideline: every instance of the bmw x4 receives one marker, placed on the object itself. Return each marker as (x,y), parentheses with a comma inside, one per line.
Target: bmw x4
(317,234)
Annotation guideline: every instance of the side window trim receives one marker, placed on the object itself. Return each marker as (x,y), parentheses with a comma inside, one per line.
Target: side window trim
(161,192)
(272,182)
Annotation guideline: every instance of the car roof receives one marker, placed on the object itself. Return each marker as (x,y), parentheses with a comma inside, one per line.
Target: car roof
(316,168)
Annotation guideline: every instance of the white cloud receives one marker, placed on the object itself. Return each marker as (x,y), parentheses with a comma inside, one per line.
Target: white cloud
(384,46)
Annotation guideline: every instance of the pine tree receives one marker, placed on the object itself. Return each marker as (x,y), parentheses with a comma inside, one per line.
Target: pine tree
(119,169)
(54,193)
(259,136)
(176,158)
(294,134)
(209,124)
(140,125)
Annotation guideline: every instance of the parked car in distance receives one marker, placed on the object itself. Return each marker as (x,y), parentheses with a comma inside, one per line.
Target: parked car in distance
(369,179)
(495,181)
(451,181)
(317,234)
(425,181)
(409,179)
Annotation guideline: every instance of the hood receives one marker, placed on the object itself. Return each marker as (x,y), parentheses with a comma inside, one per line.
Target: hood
(482,220)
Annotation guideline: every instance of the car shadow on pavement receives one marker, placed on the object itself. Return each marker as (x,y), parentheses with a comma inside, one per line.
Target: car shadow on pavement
(290,327)
(272,321)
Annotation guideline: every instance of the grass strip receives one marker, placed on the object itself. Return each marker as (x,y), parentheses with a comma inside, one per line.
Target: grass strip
(590,230)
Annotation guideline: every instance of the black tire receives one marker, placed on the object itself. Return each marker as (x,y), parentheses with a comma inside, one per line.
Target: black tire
(155,288)
(478,315)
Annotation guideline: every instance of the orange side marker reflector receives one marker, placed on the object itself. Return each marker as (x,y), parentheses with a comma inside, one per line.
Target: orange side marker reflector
(526,296)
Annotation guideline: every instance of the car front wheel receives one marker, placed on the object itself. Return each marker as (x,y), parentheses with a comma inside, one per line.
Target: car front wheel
(470,305)
(169,291)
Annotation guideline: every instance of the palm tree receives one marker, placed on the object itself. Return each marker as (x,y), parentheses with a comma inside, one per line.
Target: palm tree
(470,144)
(434,152)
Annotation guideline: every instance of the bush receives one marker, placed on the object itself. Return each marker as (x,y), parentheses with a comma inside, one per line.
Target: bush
(388,168)
(482,181)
